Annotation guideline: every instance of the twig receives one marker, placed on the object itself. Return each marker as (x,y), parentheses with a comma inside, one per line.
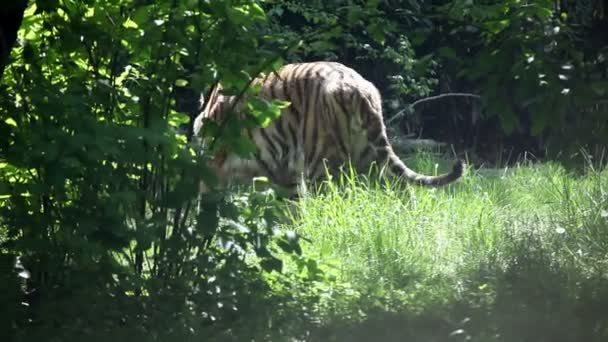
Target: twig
(252,79)
(411,106)
(238,97)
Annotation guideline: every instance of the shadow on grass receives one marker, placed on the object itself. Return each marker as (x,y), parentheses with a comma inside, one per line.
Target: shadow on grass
(526,297)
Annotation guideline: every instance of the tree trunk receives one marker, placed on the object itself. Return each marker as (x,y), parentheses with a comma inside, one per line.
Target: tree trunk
(10,21)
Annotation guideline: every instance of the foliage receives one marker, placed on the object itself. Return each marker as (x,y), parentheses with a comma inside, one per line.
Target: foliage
(11,16)
(551,96)
(370,36)
(538,65)
(98,189)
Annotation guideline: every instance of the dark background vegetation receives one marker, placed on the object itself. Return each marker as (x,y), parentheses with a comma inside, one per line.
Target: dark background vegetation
(100,236)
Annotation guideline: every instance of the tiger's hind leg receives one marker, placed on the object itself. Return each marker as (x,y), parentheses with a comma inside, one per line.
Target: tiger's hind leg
(299,169)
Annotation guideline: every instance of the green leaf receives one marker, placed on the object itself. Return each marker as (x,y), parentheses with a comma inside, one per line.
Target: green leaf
(11,122)
(257,11)
(141,16)
(377,32)
(130,24)
(180,82)
(265,111)
(176,118)
(242,146)
(496,26)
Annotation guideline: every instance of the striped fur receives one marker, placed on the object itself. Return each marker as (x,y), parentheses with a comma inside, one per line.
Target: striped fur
(335,116)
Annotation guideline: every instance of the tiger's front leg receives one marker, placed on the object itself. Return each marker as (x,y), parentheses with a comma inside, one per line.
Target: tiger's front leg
(290,173)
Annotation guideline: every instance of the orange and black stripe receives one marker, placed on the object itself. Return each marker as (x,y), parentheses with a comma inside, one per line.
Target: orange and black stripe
(334,114)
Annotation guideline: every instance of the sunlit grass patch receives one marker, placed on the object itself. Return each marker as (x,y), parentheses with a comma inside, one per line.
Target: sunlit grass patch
(467,250)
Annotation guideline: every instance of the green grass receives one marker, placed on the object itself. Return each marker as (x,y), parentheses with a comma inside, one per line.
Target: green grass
(519,255)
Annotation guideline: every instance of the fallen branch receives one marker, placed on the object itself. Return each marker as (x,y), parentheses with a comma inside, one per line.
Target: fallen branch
(410,108)
(406,145)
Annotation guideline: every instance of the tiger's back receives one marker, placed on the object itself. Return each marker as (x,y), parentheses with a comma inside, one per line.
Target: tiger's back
(335,117)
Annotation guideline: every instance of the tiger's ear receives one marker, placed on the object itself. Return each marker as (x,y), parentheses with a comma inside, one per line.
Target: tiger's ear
(197,125)
(204,107)
(214,93)
(201,102)
(198,121)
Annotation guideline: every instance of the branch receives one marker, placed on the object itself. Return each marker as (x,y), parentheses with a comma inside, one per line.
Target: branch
(411,106)
(252,79)
(238,98)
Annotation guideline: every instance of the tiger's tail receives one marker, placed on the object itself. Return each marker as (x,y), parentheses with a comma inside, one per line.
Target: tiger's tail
(376,135)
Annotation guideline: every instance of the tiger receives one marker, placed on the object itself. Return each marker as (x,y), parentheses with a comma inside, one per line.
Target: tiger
(334,117)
